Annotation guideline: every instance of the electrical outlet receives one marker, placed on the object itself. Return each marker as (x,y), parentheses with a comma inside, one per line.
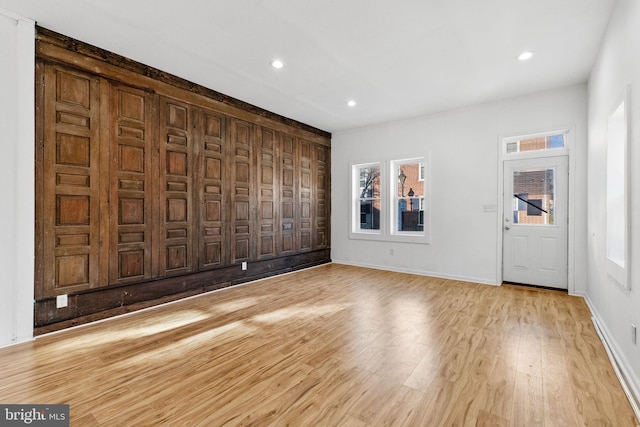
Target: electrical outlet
(392,252)
(62,301)
(244,265)
(633,333)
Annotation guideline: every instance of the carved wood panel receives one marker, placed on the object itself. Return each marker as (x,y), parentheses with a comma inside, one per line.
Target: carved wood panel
(132,185)
(322,169)
(266,192)
(305,221)
(71,182)
(139,182)
(176,152)
(288,194)
(241,194)
(211,182)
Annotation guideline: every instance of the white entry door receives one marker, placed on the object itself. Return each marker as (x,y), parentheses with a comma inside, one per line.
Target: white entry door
(535,221)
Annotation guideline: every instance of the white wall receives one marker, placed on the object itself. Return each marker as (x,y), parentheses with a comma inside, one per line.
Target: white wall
(464,154)
(618,64)
(17,176)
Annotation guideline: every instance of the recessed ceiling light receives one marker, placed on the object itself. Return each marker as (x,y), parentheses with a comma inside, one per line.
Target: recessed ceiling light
(351,103)
(277,64)
(525,55)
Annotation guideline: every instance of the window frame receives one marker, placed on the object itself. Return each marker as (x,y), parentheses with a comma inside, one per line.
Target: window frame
(388,213)
(545,152)
(354,212)
(395,167)
(617,241)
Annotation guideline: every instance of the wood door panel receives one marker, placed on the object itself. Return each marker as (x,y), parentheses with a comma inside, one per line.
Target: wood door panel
(72,210)
(177,238)
(288,193)
(131,201)
(266,155)
(73,150)
(71,182)
(321,198)
(131,263)
(241,192)
(305,193)
(210,178)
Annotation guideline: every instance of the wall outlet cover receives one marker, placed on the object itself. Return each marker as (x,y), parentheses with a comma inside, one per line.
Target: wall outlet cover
(62,301)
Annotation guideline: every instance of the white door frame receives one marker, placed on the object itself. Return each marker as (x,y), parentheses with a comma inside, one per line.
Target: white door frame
(538,267)
(569,132)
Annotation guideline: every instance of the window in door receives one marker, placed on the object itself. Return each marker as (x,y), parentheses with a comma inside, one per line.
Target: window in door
(534,196)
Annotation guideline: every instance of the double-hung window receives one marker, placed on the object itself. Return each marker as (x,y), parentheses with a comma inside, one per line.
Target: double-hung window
(367,187)
(389,200)
(408,197)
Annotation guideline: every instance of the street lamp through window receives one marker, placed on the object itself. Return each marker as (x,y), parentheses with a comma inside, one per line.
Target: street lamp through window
(402,178)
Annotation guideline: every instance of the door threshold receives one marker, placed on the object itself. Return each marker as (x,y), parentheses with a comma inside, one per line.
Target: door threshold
(529,285)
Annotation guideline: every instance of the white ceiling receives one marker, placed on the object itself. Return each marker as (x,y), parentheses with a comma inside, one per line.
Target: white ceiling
(397,59)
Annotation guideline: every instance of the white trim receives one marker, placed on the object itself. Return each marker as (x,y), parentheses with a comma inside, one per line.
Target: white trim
(537,154)
(12,16)
(628,380)
(25,187)
(18,291)
(620,274)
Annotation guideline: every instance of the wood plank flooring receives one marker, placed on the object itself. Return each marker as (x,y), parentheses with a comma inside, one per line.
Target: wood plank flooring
(333,346)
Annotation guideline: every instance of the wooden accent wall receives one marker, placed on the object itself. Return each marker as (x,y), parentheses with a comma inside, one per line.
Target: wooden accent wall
(150,188)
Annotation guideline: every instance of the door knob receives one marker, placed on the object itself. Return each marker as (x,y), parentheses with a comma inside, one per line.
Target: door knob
(506,228)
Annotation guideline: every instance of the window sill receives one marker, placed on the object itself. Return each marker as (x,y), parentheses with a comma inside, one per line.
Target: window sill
(396,237)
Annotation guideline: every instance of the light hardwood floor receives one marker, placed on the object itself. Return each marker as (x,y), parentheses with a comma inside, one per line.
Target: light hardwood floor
(332,345)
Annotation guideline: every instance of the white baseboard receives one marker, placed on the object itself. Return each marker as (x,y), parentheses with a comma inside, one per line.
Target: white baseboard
(16,342)
(628,379)
(417,272)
